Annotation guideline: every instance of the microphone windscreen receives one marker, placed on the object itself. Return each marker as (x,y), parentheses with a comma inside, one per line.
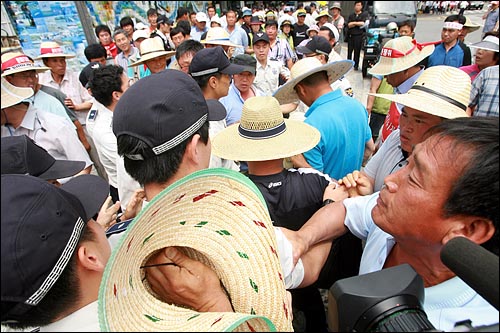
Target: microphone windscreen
(475,265)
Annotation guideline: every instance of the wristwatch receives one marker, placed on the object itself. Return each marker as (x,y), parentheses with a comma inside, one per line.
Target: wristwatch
(327,202)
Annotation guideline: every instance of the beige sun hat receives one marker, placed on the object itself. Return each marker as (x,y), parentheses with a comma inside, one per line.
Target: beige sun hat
(16,62)
(399,54)
(12,95)
(219,217)
(443,91)
(52,50)
(489,43)
(263,134)
(306,67)
(152,48)
(323,13)
(218,36)
(470,25)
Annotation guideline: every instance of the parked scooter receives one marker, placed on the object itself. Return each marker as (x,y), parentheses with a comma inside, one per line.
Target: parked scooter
(374,41)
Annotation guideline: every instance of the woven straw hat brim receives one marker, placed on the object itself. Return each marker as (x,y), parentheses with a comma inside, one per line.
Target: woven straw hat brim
(386,66)
(425,102)
(286,93)
(12,95)
(299,137)
(219,217)
(38,69)
(152,55)
(55,55)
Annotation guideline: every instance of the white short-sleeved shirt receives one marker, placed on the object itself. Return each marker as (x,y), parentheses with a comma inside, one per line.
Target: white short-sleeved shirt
(53,133)
(72,87)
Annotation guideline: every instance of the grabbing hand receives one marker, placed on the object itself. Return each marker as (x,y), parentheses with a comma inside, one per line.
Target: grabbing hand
(178,279)
(357,183)
(108,213)
(134,205)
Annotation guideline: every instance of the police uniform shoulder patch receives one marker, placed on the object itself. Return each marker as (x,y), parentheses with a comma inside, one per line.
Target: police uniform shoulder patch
(92,115)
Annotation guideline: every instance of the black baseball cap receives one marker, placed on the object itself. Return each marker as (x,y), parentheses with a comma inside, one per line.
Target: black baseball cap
(87,71)
(258,36)
(216,110)
(317,44)
(41,227)
(212,60)
(21,155)
(248,62)
(162,110)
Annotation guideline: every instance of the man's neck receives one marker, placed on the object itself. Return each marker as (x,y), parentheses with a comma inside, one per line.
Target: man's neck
(57,78)
(449,45)
(14,117)
(265,168)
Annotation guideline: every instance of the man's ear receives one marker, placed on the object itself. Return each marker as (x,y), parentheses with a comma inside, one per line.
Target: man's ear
(478,230)
(89,258)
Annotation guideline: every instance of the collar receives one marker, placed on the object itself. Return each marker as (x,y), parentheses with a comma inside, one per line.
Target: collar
(29,119)
(335,94)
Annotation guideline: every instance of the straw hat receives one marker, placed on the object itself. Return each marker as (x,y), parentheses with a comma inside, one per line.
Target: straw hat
(263,134)
(399,54)
(306,67)
(218,217)
(12,95)
(16,62)
(218,36)
(470,25)
(489,43)
(152,48)
(52,50)
(443,91)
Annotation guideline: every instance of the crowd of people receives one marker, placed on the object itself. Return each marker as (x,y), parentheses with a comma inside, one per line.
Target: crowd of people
(216,172)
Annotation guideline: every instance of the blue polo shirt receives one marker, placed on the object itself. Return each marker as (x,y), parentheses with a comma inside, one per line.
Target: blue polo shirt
(456,56)
(343,124)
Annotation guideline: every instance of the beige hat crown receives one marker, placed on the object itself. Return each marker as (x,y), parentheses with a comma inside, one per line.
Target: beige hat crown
(263,134)
(152,48)
(52,50)
(306,67)
(399,54)
(443,91)
(218,36)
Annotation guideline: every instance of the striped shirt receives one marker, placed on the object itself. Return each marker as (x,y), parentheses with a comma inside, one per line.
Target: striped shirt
(484,92)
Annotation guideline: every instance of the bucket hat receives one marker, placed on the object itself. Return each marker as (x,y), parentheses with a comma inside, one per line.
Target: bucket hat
(218,217)
(41,228)
(16,62)
(52,50)
(399,54)
(22,155)
(263,134)
(152,48)
(489,43)
(12,95)
(443,91)
(141,33)
(218,36)
(313,27)
(306,67)
(336,5)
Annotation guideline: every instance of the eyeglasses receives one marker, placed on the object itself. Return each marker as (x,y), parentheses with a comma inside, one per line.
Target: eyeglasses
(26,76)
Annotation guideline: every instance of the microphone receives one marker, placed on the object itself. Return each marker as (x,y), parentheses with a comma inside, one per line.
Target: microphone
(475,265)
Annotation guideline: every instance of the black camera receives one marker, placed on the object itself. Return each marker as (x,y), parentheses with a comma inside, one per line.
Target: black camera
(389,300)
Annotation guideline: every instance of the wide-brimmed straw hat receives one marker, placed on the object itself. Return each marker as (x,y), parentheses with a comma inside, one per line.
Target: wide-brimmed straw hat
(323,13)
(152,48)
(263,134)
(12,95)
(443,91)
(306,67)
(218,217)
(52,50)
(489,43)
(399,54)
(470,25)
(218,36)
(16,62)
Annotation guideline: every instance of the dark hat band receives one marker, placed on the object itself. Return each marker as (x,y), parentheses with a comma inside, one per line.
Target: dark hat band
(443,97)
(262,134)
